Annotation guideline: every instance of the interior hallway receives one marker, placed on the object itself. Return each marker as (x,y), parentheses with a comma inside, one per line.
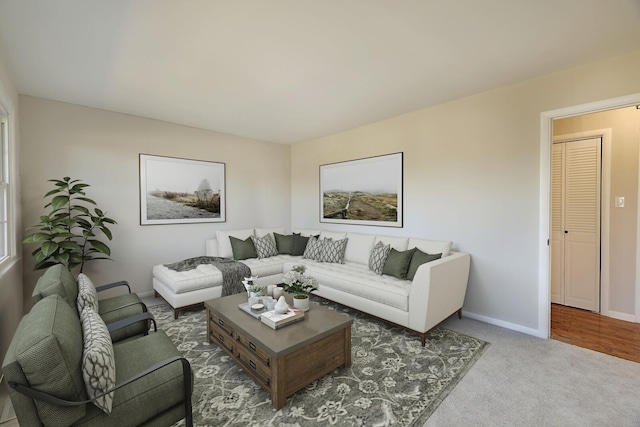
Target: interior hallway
(596,332)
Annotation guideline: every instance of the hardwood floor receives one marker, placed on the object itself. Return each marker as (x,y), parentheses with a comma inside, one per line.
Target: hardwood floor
(600,333)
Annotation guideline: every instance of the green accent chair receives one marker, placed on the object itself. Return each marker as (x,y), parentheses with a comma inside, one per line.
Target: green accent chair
(44,369)
(58,280)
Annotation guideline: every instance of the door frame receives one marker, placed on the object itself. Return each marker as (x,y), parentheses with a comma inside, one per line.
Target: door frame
(605,208)
(544,253)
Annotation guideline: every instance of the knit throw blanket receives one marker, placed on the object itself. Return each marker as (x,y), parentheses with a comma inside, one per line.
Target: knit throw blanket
(233,272)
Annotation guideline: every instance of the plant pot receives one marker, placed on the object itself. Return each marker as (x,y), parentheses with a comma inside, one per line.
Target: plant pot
(301,302)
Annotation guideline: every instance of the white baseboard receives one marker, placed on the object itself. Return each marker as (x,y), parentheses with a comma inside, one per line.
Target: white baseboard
(146,294)
(507,325)
(621,316)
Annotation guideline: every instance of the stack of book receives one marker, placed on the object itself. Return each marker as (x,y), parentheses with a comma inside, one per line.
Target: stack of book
(276,320)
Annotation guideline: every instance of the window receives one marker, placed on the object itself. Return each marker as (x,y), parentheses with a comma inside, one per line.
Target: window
(4,186)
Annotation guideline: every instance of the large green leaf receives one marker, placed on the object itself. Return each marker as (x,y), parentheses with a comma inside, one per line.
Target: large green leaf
(83,223)
(68,244)
(100,246)
(86,199)
(52,192)
(48,248)
(62,258)
(77,188)
(106,232)
(81,209)
(36,237)
(59,201)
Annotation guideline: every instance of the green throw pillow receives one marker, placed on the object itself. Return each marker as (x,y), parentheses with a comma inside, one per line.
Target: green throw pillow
(397,263)
(418,259)
(299,244)
(243,249)
(284,243)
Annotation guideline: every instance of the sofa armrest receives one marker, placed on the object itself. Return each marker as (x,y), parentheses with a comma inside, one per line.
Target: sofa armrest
(438,290)
(211,247)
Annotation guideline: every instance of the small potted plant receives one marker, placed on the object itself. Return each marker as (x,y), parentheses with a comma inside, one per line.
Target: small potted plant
(256,290)
(296,283)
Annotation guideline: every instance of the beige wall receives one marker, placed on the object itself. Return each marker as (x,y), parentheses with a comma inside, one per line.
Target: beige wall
(472,174)
(102,148)
(625,131)
(11,273)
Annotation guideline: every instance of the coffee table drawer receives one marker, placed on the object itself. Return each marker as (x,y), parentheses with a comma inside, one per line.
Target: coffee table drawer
(256,352)
(254,365)
(220,332)
(214,319)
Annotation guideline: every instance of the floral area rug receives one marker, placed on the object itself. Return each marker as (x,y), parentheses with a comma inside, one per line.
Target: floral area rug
(393,380)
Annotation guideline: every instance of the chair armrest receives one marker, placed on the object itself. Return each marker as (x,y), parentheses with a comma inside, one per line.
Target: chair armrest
(113,285)
(186,372)
(142,317)
(144,307)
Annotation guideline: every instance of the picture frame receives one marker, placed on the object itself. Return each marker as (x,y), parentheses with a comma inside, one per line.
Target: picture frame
(181,191)
(367,191)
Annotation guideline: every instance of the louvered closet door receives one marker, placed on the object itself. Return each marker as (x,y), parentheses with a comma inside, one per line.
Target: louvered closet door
(557,224)
(582,224)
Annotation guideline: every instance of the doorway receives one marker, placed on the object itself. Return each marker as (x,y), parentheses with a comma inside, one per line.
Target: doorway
(544,261)
(619,234)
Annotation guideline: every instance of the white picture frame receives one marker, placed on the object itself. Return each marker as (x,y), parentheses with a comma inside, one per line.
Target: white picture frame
(181,191)
(365,191)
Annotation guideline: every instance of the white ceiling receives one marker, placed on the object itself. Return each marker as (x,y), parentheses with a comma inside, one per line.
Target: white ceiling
(292,70)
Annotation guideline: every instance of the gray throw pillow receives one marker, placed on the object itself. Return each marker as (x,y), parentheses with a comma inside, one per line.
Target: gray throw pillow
(397,263)
(242,249)
(333,250)
(378,257)
(284,244)
(265,246)
(417,259)
(299,244)
(314,249)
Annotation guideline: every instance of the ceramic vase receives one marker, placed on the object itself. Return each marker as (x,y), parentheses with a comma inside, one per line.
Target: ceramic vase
(281,306)
(301,303)
(277,292)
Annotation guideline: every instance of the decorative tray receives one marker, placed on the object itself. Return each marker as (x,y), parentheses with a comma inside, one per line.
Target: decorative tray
(247,309)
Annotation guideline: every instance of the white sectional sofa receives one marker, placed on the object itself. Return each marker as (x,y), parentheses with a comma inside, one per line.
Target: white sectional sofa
(436,291)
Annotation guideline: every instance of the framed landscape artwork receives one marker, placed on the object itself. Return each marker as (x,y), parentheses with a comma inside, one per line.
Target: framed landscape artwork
(363,192)
(181,191)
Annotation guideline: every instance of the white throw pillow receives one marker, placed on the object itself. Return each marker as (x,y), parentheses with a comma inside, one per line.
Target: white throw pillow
(87,295)
(359,247)
(224,244)
(98,361)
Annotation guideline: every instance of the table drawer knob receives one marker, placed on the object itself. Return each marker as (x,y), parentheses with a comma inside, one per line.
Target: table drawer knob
(252,346)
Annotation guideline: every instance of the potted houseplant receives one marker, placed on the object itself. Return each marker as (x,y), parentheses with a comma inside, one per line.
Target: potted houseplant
(300,285)
(256,291)
(72,232)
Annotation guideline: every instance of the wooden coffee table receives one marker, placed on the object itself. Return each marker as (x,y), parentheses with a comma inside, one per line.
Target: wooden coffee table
(281,361)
